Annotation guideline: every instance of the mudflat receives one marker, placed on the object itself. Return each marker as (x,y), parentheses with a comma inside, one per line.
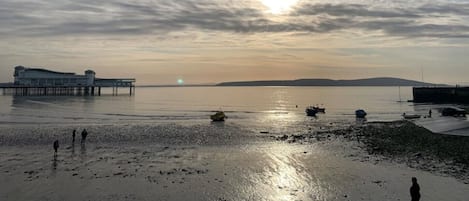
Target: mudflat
(222,163)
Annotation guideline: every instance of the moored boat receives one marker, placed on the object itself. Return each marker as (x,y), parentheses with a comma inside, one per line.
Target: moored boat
(453,111)
(360,113)
(411,116)
(319,109)
(218,116)
(311,111)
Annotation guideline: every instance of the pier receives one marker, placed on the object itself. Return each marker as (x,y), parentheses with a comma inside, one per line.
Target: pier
(441,94)
(42,82)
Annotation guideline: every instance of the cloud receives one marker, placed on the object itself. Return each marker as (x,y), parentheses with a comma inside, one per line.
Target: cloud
(452,8)
(409,22)
(352,10)
(411,29)
(129,18)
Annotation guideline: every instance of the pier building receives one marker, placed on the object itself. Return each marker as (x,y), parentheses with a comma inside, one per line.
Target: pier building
(39,81)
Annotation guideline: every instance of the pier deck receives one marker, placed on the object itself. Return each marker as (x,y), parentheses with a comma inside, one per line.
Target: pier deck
(69,90)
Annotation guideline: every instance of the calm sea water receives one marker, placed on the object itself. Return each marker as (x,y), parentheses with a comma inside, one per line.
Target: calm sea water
(248,105)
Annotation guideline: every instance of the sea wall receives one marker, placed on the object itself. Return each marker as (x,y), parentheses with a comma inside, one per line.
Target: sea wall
(441,94)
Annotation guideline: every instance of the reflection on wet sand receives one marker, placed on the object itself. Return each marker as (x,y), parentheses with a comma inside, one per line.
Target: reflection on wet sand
(73,150)
(82,152)
(279,173)
(54,165)
(267,172)
(286,175)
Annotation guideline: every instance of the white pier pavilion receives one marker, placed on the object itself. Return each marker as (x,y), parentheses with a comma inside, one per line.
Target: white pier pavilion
(39,81)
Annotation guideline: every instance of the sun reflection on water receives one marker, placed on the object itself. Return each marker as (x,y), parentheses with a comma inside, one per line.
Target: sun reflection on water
(282,114)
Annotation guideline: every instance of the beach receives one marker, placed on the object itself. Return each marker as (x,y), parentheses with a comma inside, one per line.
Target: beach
(210,161)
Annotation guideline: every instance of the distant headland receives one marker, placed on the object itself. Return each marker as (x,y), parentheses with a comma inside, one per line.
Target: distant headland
(380,81)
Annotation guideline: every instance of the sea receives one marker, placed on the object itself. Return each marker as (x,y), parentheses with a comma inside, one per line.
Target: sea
(281,106)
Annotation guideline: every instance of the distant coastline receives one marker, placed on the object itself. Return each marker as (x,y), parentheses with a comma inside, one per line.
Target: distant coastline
(381,81)
(177,85)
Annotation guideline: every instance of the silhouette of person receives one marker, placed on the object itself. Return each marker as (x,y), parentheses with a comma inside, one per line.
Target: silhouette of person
(430,113)
(415,190)
(84,133)
(73,135)
(56,146)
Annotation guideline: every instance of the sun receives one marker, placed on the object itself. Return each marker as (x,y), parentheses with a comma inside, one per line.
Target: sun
(180,81)
(279,6)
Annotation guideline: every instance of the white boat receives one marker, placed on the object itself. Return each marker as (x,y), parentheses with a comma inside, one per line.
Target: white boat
(320,109)
(411,116)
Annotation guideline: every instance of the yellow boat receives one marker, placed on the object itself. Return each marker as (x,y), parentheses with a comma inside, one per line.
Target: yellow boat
(218,116)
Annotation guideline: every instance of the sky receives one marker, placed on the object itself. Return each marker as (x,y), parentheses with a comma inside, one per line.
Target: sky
(211,41)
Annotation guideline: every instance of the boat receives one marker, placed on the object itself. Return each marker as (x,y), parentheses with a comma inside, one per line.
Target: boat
(311,111)
(218,116)
(319,109)
(360,113)
(453,111)
(411,116)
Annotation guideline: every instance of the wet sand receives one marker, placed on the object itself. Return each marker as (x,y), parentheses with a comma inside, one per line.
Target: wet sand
(235,164)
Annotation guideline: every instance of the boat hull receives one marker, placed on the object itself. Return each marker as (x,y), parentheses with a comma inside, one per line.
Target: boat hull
(360,114)
(219,116)
(311,111)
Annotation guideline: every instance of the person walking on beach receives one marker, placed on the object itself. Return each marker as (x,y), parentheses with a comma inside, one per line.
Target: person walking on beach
(56,146)
(84,133)
(415,190)
(430,113)
(73,135)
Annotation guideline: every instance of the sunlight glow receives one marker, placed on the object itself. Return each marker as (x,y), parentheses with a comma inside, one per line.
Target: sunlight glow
(180,81)
(279,6)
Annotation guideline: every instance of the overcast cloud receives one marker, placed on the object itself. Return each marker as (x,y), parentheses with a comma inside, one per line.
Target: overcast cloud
(240,36)
(85,17)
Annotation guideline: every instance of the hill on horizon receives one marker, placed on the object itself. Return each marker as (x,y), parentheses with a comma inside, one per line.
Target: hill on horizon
(379,81)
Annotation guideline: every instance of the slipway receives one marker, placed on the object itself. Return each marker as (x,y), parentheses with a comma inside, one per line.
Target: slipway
(446,125)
